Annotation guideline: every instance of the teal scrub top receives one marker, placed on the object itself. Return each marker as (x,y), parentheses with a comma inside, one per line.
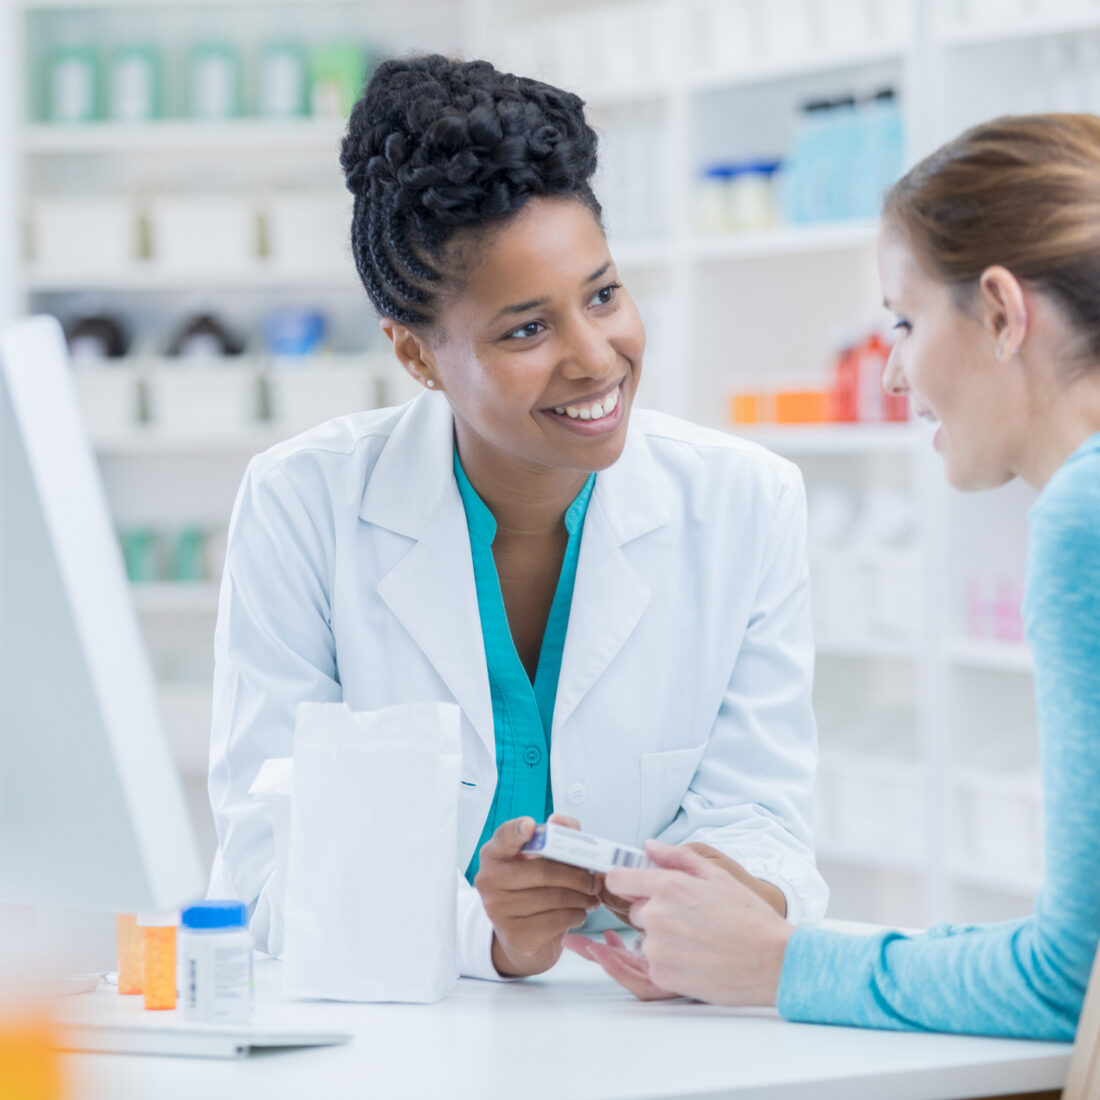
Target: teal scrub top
(522,710)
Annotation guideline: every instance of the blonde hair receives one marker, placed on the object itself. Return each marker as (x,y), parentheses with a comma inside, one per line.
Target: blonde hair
(1022,192)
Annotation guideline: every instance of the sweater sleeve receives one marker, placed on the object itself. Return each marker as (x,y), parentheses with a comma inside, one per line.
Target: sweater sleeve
(1024,978)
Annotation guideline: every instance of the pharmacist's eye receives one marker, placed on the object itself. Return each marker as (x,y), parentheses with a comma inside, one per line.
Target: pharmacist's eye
(605,295)
(902,326)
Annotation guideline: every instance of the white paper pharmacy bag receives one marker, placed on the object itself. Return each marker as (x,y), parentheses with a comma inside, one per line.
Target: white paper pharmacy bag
(370,881)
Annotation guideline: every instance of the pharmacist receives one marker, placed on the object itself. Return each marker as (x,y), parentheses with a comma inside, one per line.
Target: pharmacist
(618,603)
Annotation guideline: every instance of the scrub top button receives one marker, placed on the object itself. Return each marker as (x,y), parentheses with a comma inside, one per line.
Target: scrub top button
(532,755)
(577,793)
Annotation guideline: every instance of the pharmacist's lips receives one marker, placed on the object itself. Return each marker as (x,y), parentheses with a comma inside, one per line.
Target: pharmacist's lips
(587,399)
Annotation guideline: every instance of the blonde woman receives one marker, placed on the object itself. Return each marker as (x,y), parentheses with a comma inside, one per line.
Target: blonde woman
(990,260)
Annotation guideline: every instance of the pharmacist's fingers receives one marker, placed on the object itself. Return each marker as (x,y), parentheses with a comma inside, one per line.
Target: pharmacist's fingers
(528,874)
(529,903)
(508,839)
(564,819)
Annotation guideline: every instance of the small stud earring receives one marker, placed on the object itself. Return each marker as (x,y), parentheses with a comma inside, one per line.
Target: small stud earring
(998,352)
(430,383)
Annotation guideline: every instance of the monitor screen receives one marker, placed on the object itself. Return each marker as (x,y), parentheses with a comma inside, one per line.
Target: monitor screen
(92,811)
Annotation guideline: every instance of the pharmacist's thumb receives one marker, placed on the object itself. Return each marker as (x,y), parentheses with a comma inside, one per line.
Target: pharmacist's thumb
(509,838)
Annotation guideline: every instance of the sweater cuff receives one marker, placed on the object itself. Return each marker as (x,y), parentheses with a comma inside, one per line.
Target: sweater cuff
(825,976)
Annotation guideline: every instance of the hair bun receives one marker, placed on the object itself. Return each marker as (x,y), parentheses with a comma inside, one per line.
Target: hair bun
(434,145)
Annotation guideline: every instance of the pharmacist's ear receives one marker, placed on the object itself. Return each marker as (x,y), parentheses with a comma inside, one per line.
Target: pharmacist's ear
(1003,309)
(412,352)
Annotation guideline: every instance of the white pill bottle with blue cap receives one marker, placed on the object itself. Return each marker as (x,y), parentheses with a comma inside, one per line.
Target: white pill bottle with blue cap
(215,963)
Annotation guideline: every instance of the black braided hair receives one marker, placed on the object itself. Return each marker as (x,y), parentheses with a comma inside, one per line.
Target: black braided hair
(435,147)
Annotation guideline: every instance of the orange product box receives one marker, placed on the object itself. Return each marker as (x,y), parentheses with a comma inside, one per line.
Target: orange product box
(802,406)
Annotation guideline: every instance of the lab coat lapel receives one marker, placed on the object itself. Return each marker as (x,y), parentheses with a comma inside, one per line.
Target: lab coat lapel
(430,590)
(609,595)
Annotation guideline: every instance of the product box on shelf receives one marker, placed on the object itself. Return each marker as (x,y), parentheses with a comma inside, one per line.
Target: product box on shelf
(203,233)
(79,235)
(197,398)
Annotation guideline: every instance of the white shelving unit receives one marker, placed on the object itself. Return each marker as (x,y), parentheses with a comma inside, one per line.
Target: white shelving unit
(908,702)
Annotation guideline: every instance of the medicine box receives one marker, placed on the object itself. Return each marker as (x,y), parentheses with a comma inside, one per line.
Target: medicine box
(83,236)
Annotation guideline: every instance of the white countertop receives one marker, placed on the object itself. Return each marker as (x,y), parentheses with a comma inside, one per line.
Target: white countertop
(571,1034)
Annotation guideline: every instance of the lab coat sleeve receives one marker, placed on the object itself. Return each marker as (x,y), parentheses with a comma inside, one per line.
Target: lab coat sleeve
(752,794)
(273,649)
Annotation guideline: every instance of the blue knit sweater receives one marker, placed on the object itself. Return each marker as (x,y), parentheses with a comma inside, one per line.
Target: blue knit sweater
(1025,977)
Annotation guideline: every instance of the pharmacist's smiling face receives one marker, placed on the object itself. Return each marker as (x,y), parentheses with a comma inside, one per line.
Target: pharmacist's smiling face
(540,351)
(941,360)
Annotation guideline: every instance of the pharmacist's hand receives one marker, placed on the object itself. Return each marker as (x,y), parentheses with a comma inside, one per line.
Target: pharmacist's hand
(629,968)
(771,894)
(619,906)
(707,935)
(532,902)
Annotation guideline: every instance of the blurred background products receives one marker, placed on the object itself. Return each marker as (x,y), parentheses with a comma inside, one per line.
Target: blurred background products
(75,84)
(134,84)
(283,81)
(214,81)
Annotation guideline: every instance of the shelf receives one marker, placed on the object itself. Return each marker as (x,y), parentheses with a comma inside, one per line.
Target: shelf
(788,68)
(867,649)
(1023,883)
(153,279)
(651,253)
(200,598)
(991,655)
(234,135)
(1015,30)
(828,851)
(247,442)
(787,240)
(831,439)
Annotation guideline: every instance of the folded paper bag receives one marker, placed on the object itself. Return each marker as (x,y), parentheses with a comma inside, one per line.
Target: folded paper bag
(369,900)
(271,789)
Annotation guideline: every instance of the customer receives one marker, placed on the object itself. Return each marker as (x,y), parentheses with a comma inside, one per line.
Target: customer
(990,258)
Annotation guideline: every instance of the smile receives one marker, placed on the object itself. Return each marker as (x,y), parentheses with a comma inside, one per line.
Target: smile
(592,417)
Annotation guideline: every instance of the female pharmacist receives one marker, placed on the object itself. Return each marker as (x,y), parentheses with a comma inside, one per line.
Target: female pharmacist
(990,258)
(618,603)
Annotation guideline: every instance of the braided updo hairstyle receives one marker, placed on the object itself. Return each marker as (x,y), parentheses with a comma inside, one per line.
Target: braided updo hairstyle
(435,148)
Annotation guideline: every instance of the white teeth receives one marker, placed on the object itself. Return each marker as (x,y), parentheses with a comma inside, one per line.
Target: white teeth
(596,410)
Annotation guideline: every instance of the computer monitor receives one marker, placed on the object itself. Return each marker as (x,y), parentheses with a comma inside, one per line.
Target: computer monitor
(92,810)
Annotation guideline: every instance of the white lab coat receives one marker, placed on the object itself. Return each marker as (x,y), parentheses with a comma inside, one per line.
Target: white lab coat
(683,708)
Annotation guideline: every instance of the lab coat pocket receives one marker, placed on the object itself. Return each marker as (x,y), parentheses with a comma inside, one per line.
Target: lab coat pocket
(663,782)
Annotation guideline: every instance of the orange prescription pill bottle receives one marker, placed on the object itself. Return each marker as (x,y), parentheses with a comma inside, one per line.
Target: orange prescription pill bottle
(130,966)
(30,1065)
(158,938)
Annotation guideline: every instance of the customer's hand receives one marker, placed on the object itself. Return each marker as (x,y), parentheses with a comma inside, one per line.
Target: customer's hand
(532,902)
(771,894)
(628,967)
(707,935)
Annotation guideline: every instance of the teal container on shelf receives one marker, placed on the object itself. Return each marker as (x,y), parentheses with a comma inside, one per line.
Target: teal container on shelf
(214,81)
(189,556)
(338,71)
(283,80)
(141,553)
(135,84)
(74,91)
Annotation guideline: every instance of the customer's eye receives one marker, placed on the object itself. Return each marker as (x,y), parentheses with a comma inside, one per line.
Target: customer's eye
(903,326)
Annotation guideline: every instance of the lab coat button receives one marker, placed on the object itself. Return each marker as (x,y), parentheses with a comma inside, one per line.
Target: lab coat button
(532,755)
(577,793)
